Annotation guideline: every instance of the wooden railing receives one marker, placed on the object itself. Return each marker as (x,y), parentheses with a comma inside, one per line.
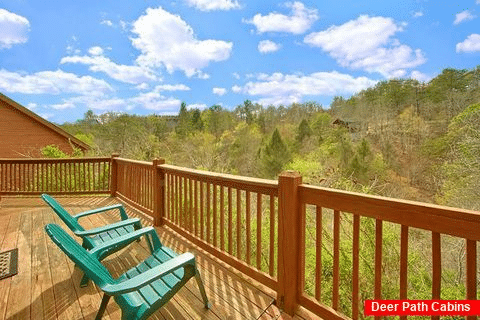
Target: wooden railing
(404,218)
(135,183)
(294,238)
(55,176)
(232,217)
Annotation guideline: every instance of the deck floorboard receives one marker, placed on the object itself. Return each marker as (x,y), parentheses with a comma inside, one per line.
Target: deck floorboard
(47,284)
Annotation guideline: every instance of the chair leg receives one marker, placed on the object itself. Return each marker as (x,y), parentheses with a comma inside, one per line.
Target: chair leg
(103,306)
(84,281)
(202,290)
(149,242)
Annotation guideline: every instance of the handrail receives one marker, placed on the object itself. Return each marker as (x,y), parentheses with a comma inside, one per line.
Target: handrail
(55,176)
(245,183)
(53,160)
(447,220)
(259,226)
(137,162)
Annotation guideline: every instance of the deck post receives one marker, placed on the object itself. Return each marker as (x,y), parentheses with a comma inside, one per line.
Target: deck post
(289,231)
(158,192)
(113,174)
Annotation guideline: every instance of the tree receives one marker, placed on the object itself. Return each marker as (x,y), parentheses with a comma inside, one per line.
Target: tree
(303,131)
(461,168)
(196,121)
(275,155)
(183,125)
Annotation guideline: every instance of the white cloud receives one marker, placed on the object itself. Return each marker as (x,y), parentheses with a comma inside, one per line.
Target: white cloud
(13,29)
(418,14)
(367,43)
(172,87)
(237,76)
(267,46)
(300,20)
(63,106)
(471,44)
(95,51)
(422,77)
(51,82)
(463,16)
(284,89)
(46,115)
(31,105)
(142,86)
(97,103)
(200,106)
(210,5)
(155,101)
(166,40)
(107,22)
(236,89)
(148,100)
(219,91)
(99,63)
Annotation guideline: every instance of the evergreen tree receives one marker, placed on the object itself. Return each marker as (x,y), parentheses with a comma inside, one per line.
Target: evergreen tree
(183,125)
(303,131)
(274,156)
(196,121)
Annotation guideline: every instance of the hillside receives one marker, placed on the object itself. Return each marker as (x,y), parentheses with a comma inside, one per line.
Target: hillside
(400,138)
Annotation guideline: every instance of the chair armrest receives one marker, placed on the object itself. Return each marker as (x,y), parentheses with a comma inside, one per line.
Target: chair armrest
(119,206)
(127,238)
(108,227)
(149,276)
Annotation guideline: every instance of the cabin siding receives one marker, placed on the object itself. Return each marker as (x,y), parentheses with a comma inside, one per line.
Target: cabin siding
(22,136)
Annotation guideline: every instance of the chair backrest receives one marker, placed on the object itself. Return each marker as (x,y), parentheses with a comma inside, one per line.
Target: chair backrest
(62,213)
(88,263)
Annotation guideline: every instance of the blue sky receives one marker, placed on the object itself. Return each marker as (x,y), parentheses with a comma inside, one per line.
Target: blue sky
(61,58)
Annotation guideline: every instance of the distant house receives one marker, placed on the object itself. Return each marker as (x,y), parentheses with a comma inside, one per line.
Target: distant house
(23,133)
(352,126)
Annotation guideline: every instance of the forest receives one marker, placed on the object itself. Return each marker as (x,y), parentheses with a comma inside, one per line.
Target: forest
(401,138)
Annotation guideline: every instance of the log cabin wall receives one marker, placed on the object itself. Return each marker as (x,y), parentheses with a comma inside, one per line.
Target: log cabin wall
(22,135)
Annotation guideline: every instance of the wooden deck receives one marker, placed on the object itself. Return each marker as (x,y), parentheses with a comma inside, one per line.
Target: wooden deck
(46,286)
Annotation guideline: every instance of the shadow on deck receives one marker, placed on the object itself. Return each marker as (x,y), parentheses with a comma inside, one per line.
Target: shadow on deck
(46,286)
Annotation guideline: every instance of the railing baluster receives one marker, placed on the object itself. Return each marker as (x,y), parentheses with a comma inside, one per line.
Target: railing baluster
(177,199)
(202,205)
(403,265)
(471,272)
(214,215)
(239,233)
(222,218)
(378,259)
(259,231)
(248,228)
(355,265)
(208,213)
(336,259)
(436,267)
(185,203)
(271,261)
(230,221)
(195,183)
(190,209)
(318,252)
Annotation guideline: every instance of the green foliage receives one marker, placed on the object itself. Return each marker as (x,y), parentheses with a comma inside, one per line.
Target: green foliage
(52,151)
(461,165)
(303,131)
(275,155)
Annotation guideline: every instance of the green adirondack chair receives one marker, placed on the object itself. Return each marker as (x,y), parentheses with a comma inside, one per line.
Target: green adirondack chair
(141,290)
(93,238)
